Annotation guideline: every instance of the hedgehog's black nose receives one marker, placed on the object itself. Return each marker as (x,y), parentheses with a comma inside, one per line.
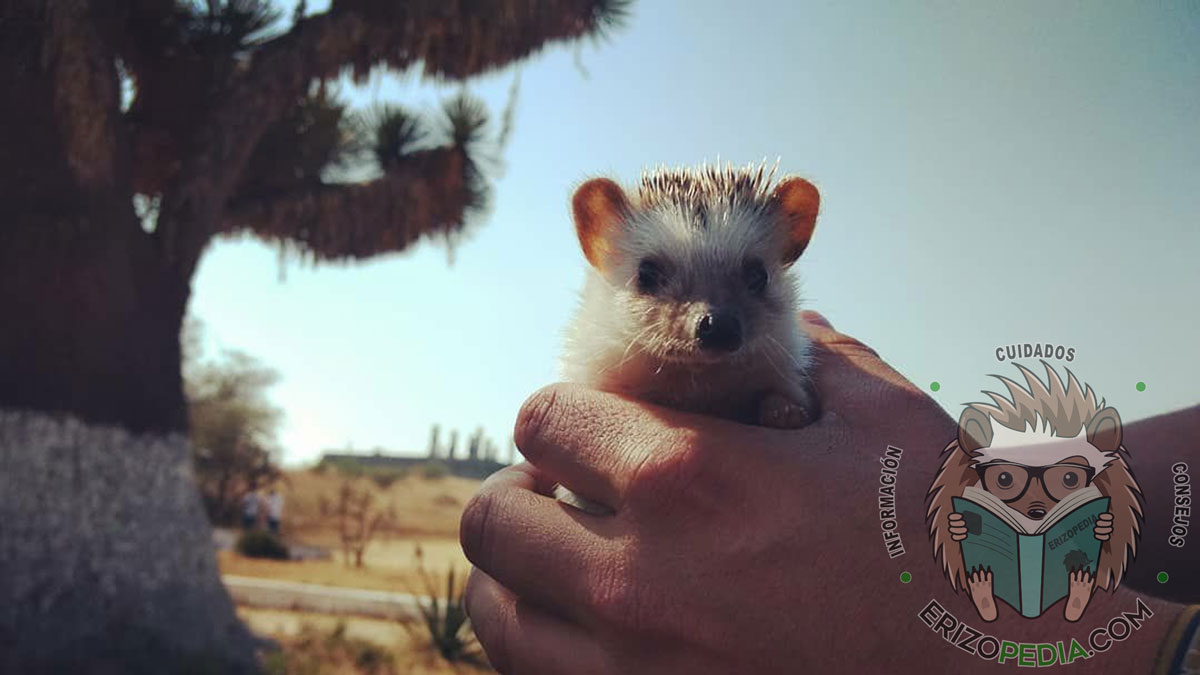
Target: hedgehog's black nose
(719,332)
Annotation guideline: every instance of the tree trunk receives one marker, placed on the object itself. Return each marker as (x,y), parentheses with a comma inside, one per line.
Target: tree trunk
(106,558)
(91,308)
(93,324)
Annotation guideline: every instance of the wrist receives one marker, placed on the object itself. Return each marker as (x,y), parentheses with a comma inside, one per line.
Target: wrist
(1179,649)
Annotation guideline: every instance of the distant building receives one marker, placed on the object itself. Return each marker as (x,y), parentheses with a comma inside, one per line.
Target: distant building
(477,467)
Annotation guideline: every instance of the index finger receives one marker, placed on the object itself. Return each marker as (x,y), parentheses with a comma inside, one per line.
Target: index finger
(597,443)
(847,371)
(589,441)
(532,545)
(826,337)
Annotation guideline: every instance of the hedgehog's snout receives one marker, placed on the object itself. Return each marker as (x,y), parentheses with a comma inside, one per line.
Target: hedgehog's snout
(719,331)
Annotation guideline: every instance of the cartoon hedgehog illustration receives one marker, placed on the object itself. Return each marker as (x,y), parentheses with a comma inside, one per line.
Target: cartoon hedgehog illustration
(1031,452)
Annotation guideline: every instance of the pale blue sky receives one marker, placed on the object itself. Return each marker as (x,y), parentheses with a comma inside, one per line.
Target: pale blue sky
(991,173)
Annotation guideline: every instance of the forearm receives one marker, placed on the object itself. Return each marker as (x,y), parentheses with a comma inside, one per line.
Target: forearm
(1158,446)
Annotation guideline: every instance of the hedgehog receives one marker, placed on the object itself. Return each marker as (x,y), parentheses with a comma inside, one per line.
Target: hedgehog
(691,299)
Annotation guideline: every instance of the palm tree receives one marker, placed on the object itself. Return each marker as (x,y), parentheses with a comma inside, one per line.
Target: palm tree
(132,133)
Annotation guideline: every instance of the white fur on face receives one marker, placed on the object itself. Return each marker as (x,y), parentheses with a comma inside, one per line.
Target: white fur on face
(704,265)
(1039,445)
(731,234)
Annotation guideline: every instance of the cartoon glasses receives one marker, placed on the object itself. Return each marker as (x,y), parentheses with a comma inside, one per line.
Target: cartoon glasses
(1009,481)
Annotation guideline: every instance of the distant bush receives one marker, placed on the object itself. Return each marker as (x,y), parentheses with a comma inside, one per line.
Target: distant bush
(385,477)
(346,467)
(349,468)
(233,425)
(360,517)
(434,470)
(257,544)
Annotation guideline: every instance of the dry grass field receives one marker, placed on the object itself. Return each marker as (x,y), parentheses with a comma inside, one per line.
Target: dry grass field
(427,513)
(389,565)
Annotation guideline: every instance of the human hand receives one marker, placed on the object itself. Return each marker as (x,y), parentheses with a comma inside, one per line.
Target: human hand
(731,548)
(1104,526)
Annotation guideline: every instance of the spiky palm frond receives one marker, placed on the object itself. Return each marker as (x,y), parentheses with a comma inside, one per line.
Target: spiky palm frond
(414,175)
(608,16)
(467,117)
(466,126)
(394,132)
(244,23)
(461,39)
(424,194)
(283,184)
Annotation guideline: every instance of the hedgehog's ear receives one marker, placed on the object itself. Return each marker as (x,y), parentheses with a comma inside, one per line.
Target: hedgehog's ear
(1104,430)
(974,430)
(599,206)
(798,202)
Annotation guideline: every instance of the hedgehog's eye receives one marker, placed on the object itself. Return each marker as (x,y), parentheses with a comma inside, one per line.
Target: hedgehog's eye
(755,275)
(651,276)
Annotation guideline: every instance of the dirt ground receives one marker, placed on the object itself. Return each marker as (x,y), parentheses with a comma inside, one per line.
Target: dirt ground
(410,650)
(388,566)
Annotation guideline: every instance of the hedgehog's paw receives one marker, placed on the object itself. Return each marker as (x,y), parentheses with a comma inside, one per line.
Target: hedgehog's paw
(1082,582)
(780,411)
(979,584)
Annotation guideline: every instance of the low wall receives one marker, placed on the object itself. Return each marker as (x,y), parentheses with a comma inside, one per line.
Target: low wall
(268,593)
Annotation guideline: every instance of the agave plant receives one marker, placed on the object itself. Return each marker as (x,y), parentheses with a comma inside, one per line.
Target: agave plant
(444,614)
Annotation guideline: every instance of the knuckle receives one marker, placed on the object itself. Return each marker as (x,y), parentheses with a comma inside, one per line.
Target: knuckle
(610,601)
(495,636)
(476,533)
(669,475)
(535,416)
(621,599)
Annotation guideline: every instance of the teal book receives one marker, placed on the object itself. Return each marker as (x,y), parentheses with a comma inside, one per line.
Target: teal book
(1031,560)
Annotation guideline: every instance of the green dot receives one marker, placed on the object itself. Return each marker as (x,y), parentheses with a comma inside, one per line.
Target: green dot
(905,577)
(934,386)
(1162,577)
(1141,386)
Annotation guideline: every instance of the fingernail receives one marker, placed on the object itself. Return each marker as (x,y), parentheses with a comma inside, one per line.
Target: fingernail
(812,316)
